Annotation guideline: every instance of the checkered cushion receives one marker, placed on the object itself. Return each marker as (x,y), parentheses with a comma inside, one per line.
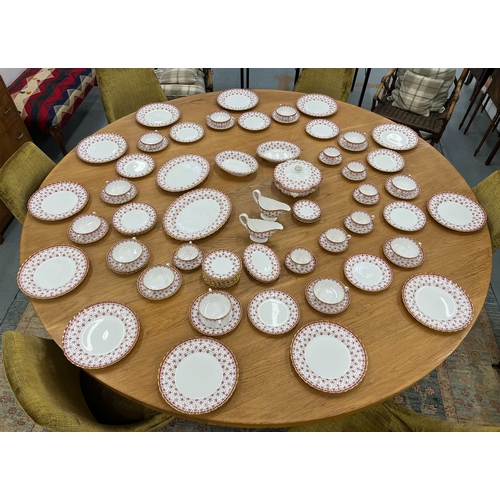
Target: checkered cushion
(181,82)
(445,74)
(417,93)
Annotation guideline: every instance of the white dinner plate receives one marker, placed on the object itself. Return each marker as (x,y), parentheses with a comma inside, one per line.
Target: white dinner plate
(437,302)
(319,105)
(253,120)
(183,173)
(328,357)
(135,165)
(101,148)
(385,160)
(261,263)
(57,201)
(100,335)
(197,214)
(187,132)
(278,151)
(273,311)
(198,375)
(236,162)
(157,114)
(404,215)
(52,272)
(237,99)
(322,129)
(134,218)
(395,136)
(456,211)
(368,272)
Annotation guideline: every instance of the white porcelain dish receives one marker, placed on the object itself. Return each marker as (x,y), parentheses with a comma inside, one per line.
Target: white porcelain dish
(395,136)
(197,214)
(306,211)
(91,237)
(297,177)
(285,113)
(135,165)
(198,375)
(152,142)
(86,223)
(404,187)
(355,171)
(118,199)
(404,215)
(385,160)
(322,307)
(368,272)
(404,252)
(349,141)
(456,211)
(131,266)
(236,163)
(151,282)
(183,173)
(261,263)
(366,194)
(134,218)
(254,120)
(331,156)
(221,265)
(334,239)
(187,132)
(188,256)
(360,222)
(237,99)
(157,114)
(322,129)
(273,311)
(300,260)
(318,105)
(328,357)
(101,148)
(220,120)
(278,151)
(58,201)
(438,302)
(117,187)
(100,335)
(52,272)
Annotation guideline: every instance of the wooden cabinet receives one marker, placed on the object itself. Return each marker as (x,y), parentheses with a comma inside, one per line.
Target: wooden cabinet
(13,134)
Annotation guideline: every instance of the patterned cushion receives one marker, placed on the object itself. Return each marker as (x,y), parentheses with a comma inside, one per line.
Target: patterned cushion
(181,82)
(445,74)
(183,76)
(417,93)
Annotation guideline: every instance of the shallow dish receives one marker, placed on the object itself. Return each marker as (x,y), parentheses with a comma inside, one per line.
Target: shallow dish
(456,211)
(273,311)
(261,263)
(320,306)
(187,132)
(328,357)
(404,252)
(58,201)
(100,335)
(157,114)
(135,165)
(278,151)
(236,162)
(368,272)
(52,272)
(198,375)
(322,129)
(101,148)
(134,218)
(151,293)
(237,99)
(395,136)
(253,120)
(385,160)
(183,173)
(405,216)
(437,302)
(319,105)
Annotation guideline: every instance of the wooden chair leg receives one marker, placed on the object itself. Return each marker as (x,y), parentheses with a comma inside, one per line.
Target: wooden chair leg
(490,127)
(493,153)
(473,116)
(57,133)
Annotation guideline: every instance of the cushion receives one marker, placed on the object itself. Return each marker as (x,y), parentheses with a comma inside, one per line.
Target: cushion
(176,90)
(445,74)
(417,93)
(183,76)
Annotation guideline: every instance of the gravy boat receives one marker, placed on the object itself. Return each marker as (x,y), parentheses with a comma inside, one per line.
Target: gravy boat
(259,229)
(270,209)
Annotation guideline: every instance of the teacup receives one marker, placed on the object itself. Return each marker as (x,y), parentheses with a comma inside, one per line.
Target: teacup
(301,256)
(338,239)
(406,248)
(214,308)
(117,187)
(354,139)
(329,291)
(332,152)
(86,224)
(127,251)
(356,167)
(285,112)
(188,252)
(158,277)
(368,190)
(362,218)
(403,184)
(219,118)
(151,139)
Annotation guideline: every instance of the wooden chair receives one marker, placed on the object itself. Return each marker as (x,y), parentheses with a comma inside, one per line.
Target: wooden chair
(125,90)
(480,75)
(61,397)
(21,175)
(433,125)
(334,82)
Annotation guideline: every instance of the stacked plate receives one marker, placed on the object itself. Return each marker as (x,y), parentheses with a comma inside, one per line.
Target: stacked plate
(306,211)
(221,269)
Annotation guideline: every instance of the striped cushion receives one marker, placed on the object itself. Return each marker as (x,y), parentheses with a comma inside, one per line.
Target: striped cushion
(417,93)
(181,82)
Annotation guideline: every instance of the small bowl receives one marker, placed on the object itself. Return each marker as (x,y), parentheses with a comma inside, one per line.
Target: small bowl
(214,308)
(329,291)
(404,183)
(127,251)
(117,187)
(356,167)
(86,224)
(362,218)
(218,119)
(331,155)
(285,112)
(301,256)
(151,139)
(405,247)
(368,190)
(337,236)
(158,278)
(188,252)
(354,139)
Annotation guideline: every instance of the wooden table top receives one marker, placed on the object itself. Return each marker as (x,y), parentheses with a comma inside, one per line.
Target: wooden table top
(269,392)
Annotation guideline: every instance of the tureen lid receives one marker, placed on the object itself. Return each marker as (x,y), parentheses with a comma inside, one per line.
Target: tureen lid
(297,175)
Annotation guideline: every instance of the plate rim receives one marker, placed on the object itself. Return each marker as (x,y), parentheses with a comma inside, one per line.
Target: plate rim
(254,99)
(120,141)
(303,98)
(370,287)
(165,168)
(418,210)
(160,104)
(412,135)
(253,247)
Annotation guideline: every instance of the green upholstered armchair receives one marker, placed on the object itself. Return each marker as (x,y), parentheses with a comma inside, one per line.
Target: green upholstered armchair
(334,82)
(125,90)
(59,396)
(21,175)
(488,195)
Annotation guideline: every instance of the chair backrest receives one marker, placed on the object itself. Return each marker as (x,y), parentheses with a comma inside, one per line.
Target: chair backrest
(48,388)
(334,82)
(125,90)
(488,195)
(21,175)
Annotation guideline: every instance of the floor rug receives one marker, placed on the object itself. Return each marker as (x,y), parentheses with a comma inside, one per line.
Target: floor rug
(464,388)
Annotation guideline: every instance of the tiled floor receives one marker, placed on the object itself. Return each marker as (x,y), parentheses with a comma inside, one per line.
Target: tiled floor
(89,118)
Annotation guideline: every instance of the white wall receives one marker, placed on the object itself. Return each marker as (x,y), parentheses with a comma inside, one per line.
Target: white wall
(10,74)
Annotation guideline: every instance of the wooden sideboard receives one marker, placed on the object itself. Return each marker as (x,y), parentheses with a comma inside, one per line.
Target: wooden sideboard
(13,134)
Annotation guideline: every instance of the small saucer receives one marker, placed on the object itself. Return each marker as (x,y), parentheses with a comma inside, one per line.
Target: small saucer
(92,237)
(163,293)
(357,228)
(187,264)
(236,314)
(319,306)
(306,211)
(300,268)
(128,267)
(119,200)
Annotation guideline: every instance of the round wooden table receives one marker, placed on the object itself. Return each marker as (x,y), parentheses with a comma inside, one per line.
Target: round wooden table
(269,392)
